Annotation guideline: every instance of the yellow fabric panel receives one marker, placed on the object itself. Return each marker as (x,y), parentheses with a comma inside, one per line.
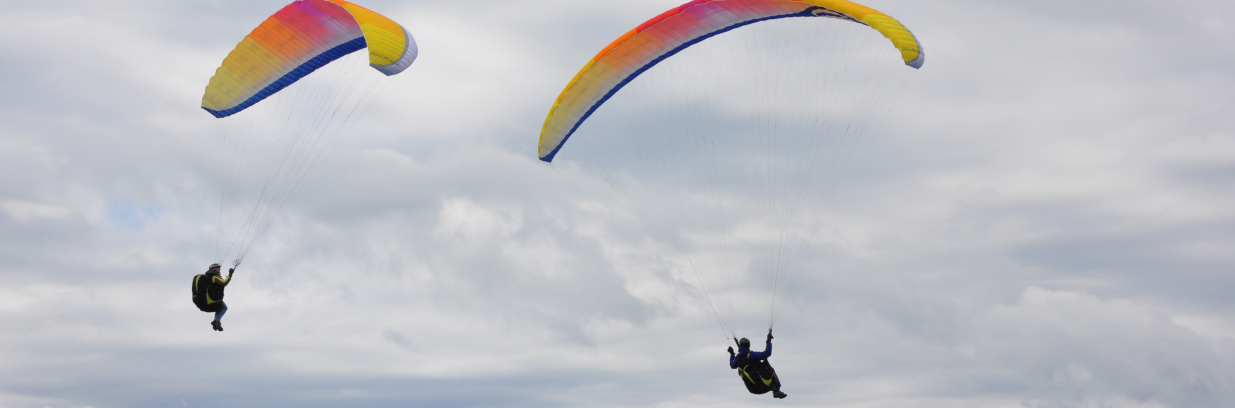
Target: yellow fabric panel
(224,88)
(255,64)
(366,16)
(888,26)
(385,37)
(240,71)
(569,85)
(384,47)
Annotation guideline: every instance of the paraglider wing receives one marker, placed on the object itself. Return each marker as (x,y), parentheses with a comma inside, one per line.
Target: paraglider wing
(297,40)
(679,28)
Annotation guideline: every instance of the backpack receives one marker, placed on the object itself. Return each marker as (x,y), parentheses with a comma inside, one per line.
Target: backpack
(205,290)
(758,375)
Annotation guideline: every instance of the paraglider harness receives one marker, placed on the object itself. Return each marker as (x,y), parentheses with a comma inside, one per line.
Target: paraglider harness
(207,295)
(758,375)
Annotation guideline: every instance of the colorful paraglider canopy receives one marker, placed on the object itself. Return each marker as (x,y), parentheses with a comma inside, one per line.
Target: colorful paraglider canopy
(679,28)
(297,40)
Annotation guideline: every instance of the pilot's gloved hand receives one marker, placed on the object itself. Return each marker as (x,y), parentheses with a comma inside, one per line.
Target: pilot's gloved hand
(769,334)
(731,350)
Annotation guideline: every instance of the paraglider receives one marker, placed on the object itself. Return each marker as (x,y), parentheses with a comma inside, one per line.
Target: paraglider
(277,121)
(743,116)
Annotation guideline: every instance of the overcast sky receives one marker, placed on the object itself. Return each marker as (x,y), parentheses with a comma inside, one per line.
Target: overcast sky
(1046,222)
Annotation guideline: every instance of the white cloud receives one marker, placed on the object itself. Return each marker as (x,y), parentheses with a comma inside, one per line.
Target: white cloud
(26,211)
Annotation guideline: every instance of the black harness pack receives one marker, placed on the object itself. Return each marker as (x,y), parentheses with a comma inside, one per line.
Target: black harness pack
(758,375)
(206,293)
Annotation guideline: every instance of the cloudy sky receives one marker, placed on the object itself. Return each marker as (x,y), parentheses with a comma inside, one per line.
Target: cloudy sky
(1041,224)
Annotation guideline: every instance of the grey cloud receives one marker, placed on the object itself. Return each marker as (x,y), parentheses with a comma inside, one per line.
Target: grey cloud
(1049,203)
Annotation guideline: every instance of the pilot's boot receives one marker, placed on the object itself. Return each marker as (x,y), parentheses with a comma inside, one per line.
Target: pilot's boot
(217,326)
(778,394)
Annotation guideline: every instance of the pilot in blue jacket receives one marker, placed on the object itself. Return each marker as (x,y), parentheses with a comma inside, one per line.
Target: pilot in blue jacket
(754,369)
